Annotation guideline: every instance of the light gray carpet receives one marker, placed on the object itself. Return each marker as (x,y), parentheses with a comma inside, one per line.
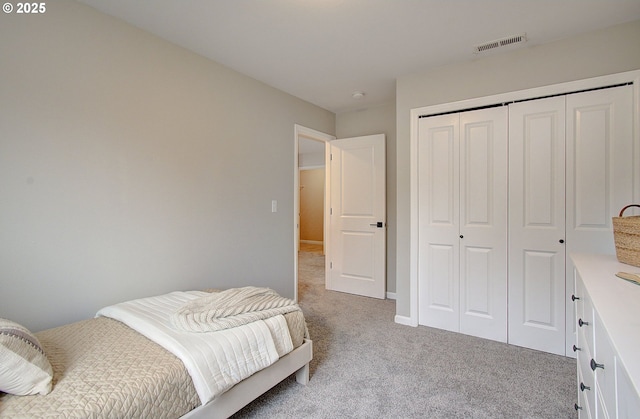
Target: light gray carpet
(367,366)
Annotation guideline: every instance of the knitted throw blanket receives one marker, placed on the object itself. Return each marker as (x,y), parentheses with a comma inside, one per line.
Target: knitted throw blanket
(231,308)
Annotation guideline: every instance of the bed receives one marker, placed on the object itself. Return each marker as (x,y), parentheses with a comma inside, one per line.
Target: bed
(102,367)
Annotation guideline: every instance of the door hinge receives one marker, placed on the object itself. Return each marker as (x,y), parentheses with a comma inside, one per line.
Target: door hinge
(330,265)
(330,211)
(330,156)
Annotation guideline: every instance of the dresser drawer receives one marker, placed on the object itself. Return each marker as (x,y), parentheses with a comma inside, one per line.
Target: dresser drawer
(586,383)
(578,295)
(583,314)
(586,403)
(603,364)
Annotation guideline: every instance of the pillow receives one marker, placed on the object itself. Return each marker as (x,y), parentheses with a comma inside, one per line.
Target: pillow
(24,368)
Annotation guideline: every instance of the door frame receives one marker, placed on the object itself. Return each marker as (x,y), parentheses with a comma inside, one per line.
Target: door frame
(555,89)
(301,132)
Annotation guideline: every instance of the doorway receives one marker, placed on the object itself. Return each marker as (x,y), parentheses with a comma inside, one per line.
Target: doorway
(312,186)
(354,237)
(311,154)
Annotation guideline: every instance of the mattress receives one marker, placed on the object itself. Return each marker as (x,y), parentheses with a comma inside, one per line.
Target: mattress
(102,368)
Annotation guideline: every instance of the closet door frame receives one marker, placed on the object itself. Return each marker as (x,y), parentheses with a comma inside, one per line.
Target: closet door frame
(555,89)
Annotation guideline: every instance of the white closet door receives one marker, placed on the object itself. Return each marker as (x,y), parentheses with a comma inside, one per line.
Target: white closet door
(439,246)
(600,165)
(537,224)
(601,168)
(462,179)
(483,223)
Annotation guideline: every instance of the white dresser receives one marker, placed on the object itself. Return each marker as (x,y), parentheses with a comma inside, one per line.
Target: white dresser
(607,336)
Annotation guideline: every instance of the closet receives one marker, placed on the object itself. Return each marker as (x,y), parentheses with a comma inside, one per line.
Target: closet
(505,194)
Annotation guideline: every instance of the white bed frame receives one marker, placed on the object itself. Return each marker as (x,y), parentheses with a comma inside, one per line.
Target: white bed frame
(243,393)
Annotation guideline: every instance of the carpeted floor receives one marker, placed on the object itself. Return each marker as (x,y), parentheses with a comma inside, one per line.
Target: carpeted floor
(367,366)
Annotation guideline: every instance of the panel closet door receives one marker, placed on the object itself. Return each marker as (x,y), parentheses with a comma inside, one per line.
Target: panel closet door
(601,174)
(462,179)
(572,165)
(483,223)
(439,221)
(537,224)
(571,169)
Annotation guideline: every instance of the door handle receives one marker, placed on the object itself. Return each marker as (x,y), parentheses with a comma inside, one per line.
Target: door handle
(379,224)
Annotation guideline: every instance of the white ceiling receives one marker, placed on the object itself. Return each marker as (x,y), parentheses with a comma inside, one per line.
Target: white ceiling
(324,50)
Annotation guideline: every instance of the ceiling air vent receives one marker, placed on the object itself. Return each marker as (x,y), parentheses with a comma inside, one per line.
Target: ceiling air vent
(503,42)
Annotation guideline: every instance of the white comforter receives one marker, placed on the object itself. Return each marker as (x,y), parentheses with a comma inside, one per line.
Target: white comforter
(216,361)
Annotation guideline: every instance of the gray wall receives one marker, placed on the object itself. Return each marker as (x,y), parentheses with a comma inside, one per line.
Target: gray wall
(608,51)
(378,120)
(131,167)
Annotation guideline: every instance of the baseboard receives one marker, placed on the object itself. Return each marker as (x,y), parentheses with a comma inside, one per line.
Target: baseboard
(407,321)
(391,296)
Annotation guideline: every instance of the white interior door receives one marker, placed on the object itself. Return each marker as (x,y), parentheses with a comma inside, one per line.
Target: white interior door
(357,253)
(537,224)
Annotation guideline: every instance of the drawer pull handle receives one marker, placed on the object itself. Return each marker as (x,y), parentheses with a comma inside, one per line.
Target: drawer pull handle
(595,365)
(575,406)
(575,348)
(583,387)
(573,297)
(582,323)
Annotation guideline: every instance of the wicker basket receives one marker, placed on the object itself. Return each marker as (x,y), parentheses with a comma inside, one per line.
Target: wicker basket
(626,235)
